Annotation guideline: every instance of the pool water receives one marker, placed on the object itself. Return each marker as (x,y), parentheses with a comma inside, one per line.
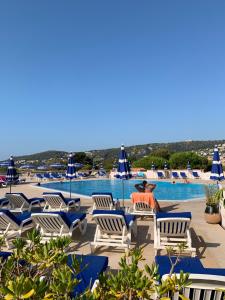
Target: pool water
(163,190)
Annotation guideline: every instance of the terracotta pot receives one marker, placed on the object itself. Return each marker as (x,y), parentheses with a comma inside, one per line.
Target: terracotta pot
(213,218)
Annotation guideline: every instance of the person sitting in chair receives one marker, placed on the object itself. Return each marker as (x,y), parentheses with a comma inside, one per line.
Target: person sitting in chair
(145,187)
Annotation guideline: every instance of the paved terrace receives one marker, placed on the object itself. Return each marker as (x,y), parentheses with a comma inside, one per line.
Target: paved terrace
(208,239)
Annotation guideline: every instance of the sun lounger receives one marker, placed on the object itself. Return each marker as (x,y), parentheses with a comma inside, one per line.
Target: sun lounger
(19,202)
(187,264)
(104,201)
(47,176)
(143,204)
(53,225)
(4,203)
(57,202)
(160,175)
(175,175)
(12,226)
(195,175)
(205,282)
(39,176)
(91,267)
(171,229)
(114,229)
(183,175)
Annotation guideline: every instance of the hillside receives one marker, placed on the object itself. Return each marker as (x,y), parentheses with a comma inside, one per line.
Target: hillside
(136,151)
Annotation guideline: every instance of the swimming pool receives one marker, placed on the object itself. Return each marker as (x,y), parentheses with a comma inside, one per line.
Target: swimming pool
(163,191)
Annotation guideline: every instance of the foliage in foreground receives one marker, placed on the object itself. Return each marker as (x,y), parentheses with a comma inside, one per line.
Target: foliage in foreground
(40,271)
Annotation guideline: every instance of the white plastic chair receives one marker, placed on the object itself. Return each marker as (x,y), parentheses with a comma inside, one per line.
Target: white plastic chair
(20,203)
(12,226)
(202,287)
(171,229)
(114,228)
(57,202)
(104,202)
(57,224)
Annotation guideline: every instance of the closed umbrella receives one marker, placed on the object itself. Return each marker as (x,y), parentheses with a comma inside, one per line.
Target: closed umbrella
(123,170)
(153,166)
(71,170)
(11,176)
(188,166)
(217,169)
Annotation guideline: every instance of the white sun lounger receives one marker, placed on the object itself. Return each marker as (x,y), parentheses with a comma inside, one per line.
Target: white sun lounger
(57,224)
(171,229)
(202,287)
(12,226)
(57,202)
(142,209)
(104,201)
(19,202)
(114,229)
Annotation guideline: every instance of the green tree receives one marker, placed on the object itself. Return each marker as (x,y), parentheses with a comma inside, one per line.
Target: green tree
(161,152)
(146,162)
(180,160)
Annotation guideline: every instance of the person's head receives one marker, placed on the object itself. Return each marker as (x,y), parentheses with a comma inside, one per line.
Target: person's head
(144,183)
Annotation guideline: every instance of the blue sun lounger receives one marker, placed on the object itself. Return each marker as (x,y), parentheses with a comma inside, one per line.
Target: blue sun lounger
(12,226)
(160,175)
(57,224)
(175,175)
(195,175)
(55,201)
(19,202)
(39,176)
(91,268)
(183,175)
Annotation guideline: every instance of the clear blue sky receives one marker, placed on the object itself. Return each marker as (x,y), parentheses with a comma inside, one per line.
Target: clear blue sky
(79,75)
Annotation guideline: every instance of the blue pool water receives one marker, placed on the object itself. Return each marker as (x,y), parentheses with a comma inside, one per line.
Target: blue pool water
(163,191)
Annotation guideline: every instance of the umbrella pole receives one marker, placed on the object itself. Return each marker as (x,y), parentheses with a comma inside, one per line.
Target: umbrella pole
(70,188)
(123,191)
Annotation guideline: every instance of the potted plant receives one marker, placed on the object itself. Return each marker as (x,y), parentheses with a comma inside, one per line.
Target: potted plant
(212,211)
(222,208)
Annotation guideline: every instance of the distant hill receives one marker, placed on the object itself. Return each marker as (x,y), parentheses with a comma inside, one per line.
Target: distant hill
(136,151)
(43,155)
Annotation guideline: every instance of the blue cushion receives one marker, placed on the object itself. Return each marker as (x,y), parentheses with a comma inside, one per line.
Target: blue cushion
(183,174)
(128,218)
(3,200)
(161,215)
(68,218)
(17,218)
(68,200)
(91,266)
(187,264)
(5,255)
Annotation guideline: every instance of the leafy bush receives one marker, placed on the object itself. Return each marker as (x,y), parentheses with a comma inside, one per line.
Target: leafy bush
(146,162)
(180,160)
(39,271)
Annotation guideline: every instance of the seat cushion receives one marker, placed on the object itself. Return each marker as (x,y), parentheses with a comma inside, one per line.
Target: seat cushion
(187,264)
(4,201)
(36,199)
(128,218)
(18,219)
(68,200)
(91,267)
(68,218)
(161,215)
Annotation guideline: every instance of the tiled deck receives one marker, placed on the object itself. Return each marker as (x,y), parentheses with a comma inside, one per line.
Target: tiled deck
(208,239)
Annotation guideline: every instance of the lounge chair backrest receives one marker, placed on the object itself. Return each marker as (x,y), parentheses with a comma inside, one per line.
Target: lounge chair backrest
(202,287)
(143,206)
(17,200)
(54,200)
(110,223)
(195,174)
(50,222)
(173,227)
(175,174)
(5,220)
(103,201)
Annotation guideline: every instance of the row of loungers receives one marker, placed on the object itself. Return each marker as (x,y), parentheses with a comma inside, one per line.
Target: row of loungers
(175,175)
(114,228)
(55,175)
